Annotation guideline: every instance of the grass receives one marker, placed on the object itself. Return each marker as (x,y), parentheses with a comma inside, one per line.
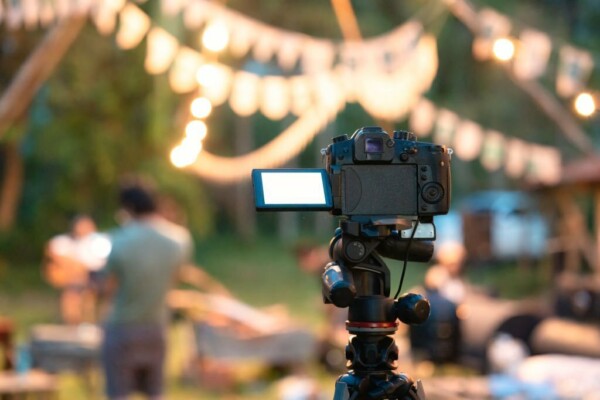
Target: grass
(262,273)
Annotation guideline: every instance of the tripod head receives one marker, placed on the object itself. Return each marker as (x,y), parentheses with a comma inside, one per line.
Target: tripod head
(359,279)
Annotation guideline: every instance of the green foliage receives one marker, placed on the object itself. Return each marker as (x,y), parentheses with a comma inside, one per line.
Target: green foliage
(95,120)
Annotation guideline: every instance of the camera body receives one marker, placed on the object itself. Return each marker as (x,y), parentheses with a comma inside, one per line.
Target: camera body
(372,174)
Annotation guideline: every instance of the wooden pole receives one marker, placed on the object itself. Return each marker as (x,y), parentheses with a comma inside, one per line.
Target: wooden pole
(12,185)
(37,69)
(347,19)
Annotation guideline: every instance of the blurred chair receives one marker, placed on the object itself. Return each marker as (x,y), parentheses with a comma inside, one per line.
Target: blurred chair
(227,331)
(58,348)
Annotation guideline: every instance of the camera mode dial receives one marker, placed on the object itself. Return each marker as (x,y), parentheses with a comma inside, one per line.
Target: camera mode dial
(355,250)
(432,192)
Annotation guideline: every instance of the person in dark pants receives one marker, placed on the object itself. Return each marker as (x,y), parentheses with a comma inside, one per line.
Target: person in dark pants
(438,339)
(147,253)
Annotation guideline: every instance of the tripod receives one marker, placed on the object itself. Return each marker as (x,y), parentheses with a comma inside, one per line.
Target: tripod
(359,279)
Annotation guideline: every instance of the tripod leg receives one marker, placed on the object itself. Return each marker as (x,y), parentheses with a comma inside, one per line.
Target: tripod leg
(347,387)
(341,391)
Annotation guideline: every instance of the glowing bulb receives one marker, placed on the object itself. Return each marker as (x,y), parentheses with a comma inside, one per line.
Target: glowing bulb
(191,145)
(504,49)
(196,130)
(177,157)
(585,105)
(216,36)
(201,107)
(182,156)
(207,75)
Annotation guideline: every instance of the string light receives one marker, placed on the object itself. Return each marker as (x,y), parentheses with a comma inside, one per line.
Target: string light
(504,49)
(209,75)
(192,145)
(216,36)
(201,107)
(585,105)
(186,153)
(196,129)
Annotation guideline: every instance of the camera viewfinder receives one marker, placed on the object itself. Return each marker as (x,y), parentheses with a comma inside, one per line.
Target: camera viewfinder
(373,145)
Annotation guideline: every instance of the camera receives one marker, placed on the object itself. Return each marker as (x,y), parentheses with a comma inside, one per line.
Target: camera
(370,174)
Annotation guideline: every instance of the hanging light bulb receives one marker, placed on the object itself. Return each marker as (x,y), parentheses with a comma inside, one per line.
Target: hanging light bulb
(504,49)
(208,74)
(186,153)
(179,157)
(192,145)
(216,36)
(196,129)
(201,107)
(585,105)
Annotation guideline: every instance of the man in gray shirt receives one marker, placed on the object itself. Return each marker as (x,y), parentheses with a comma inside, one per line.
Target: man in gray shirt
(147,252)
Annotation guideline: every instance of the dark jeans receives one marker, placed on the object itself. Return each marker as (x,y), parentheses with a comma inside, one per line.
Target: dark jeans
(133,358)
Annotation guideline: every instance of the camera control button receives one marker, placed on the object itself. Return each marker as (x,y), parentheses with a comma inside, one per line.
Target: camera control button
(355,250)
(432,192)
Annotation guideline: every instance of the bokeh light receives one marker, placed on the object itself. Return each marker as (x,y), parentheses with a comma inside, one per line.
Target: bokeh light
(208,74)
(182,156)
(216,36)
(201,107)
(585,105)
(196,129)
(504,49)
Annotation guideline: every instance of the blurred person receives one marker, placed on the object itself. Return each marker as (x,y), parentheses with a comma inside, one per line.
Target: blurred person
(450,257)
(70,258)
(438,339)
(147,253)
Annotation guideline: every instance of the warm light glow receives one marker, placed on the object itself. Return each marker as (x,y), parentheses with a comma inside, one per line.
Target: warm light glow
(183,156)
(208,74)
(275,99)
(192,145)
(182,75)
(244,93)
(585,105)
(162,49)
(504,49)
(196,130)
(133,26)
(216,36)
(201,107)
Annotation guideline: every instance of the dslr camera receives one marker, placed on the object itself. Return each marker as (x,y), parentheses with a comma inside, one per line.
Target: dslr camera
(369,176)
(372,173)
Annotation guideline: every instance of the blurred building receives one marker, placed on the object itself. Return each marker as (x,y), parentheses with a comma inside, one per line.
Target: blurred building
(496,226)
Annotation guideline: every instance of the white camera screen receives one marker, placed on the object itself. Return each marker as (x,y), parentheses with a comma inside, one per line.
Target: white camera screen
(293,188)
